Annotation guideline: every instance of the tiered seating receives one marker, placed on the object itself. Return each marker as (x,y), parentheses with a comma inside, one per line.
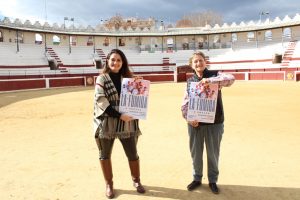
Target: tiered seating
(77,55)
(295,57)
(29,55)
(149,62)
(242,59)
(144,61)
(31,59)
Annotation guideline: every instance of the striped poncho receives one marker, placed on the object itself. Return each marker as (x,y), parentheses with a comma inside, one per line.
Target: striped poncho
(109,127)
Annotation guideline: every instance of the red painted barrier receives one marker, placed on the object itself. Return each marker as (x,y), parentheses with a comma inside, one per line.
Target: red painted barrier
(65,82)
(22,84)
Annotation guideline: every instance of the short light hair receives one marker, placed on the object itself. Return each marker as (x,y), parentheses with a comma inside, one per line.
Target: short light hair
(197,53)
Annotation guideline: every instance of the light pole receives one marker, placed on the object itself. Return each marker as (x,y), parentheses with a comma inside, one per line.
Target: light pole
(161,25)
(72,20)
(104,23)
(263,13)
(67,19)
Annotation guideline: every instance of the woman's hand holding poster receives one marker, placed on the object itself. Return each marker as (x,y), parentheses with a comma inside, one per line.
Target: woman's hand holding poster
(134,97)
(202,102)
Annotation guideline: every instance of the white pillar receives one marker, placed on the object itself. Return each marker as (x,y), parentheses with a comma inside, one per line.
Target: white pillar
(47,83)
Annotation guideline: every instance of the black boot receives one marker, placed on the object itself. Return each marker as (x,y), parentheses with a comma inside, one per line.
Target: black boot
(214,188)
(193,185)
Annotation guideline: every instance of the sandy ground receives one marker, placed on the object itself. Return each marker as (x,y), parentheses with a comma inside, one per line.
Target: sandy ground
(48,151)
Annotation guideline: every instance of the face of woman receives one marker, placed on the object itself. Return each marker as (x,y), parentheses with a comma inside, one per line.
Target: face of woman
(115,63)
(198,64)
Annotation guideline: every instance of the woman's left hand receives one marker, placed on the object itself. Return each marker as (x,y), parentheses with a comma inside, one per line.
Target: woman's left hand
(126,118)
(204,81)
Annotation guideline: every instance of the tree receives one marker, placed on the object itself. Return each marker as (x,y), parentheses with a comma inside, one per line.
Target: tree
(183,23)
(200,19)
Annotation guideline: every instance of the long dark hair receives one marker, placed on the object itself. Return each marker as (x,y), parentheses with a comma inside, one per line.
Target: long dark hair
(124,71)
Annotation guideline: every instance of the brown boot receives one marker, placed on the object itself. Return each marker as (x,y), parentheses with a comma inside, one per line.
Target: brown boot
(135,174)
(107,173)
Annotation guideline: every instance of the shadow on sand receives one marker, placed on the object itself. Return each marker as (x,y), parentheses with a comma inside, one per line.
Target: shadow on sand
(232,192)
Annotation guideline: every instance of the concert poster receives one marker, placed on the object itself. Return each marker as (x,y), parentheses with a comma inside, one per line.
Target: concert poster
(134,97)
(202,102)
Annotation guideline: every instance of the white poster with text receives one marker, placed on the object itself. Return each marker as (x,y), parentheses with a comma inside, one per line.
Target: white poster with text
(134,97)
(202,102)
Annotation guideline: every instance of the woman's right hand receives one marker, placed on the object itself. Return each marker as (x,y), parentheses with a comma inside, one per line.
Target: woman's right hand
(126,118)
(193,123)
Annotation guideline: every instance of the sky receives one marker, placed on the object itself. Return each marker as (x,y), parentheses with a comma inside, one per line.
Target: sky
(91,12)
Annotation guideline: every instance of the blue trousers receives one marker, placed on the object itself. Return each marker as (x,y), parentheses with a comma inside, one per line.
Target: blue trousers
(211,135)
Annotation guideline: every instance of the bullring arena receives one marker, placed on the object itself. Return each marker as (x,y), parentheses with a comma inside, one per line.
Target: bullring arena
(48,150)
(47,74)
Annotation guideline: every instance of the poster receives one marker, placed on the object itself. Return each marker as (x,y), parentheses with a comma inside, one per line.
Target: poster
(202,102)
(134,97)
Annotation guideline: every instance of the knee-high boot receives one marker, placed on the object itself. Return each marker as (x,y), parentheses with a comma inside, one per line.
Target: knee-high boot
(135,174)
(108,176)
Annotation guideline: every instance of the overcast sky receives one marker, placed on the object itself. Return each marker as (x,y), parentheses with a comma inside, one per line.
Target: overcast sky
(90,12)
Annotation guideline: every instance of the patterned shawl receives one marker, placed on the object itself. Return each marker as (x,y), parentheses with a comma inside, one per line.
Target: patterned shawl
(109,127)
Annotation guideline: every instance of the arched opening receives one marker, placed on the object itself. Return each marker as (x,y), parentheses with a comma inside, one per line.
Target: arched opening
(106,41)
(170,44)
(268,35)
(73,40)
(38,39)
(56,40)
(216,41)
(234,37)
(1,36)
(121,42)
(90,41)
(287,33)
(200,41)
(185,44)
(250,37)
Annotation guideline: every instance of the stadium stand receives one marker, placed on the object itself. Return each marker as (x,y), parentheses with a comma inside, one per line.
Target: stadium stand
(251,51)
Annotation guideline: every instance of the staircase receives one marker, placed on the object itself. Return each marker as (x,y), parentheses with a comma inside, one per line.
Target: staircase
(207,61)
(288,54)
(52,54)
(101,54)
(166,64)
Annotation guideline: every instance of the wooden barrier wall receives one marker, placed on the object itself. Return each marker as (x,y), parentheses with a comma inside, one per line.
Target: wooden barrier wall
(45,83)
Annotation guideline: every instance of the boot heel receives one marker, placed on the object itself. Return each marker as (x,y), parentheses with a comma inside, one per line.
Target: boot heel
(135,174)
(108,176)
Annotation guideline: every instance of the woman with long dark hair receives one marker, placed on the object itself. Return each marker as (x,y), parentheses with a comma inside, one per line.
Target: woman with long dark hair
(109,123)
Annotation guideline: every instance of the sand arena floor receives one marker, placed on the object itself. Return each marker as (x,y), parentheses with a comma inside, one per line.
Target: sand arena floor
(48,151)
